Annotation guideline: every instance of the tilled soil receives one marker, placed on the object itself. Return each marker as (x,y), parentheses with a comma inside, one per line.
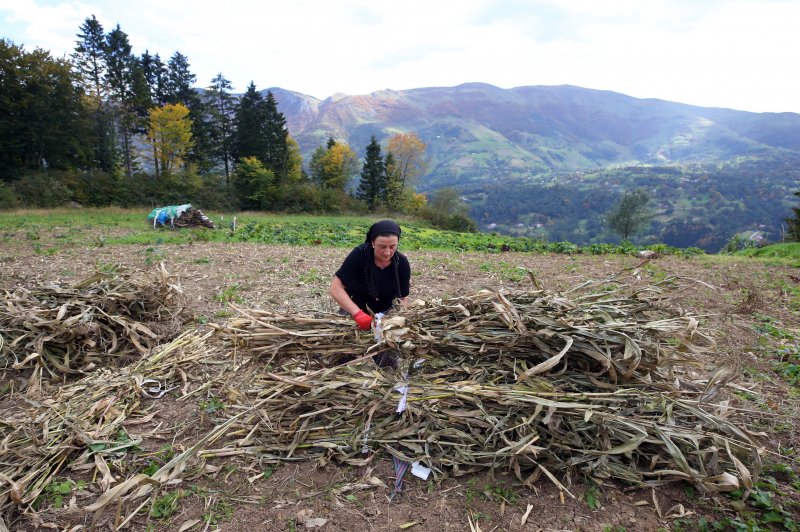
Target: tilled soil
(732,296)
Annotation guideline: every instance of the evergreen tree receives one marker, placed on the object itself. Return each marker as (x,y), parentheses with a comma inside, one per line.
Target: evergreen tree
(275,132)
(89,58)
(179,81)
(155,73)
(120,77)
(373,176)
(248,138)
(179,89)
(223,109)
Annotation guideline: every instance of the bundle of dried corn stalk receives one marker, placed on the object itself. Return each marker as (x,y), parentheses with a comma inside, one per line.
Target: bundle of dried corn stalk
(80,427)
(65,330)
(532,381)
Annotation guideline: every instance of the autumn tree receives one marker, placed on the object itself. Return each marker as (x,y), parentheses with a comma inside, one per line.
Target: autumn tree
(334,167)
(294,161)
(631,214)
(409,157)
(170,133)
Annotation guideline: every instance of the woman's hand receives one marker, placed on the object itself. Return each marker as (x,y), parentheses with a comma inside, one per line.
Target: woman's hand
(363,320)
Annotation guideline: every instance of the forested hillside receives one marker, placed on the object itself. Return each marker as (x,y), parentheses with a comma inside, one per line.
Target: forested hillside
(114,126)
(692,206)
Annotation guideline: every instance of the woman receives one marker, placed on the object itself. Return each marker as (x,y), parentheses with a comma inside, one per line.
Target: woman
(373,275)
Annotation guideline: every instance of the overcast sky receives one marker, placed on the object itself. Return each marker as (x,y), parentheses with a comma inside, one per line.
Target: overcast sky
(740,54)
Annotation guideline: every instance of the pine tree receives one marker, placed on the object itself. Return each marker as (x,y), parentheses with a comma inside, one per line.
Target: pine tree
(179,81)
(120,65)
(248,138)
(179,89)
(155,73)
(89,58)
(275,132)
(373,175)
(89,61)
(222,107)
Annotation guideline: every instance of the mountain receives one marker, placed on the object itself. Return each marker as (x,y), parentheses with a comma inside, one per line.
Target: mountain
(478,131)
(551,161)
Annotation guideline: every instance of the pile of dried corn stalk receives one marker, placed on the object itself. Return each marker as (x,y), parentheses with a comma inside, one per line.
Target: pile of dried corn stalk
(85,425)
(67,330)
(601,384)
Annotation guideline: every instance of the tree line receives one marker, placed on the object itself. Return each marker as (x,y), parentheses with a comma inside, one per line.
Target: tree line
(107,126)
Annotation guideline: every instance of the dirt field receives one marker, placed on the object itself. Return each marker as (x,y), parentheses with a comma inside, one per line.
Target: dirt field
(733,296)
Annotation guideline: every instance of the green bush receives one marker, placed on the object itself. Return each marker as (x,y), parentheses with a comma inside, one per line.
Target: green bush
(42,190)
(8,198)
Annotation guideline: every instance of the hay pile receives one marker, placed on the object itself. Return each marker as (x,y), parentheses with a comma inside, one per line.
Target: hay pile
(59,330)
(600,385)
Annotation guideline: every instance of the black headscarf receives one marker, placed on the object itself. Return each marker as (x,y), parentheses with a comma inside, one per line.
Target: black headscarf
(377,229)
(382,228)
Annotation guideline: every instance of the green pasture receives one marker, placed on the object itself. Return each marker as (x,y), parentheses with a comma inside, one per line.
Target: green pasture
(48,231)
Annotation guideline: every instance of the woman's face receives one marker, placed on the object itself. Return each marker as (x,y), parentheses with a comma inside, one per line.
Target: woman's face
(385,246)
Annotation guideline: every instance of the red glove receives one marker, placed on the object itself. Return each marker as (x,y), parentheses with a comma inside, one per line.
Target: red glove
(363,320)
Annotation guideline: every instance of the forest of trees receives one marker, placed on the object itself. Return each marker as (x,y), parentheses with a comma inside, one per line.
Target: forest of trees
(110,127)
(691,207)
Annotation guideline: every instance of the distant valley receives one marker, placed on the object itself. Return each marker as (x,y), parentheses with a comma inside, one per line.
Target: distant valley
(549,161)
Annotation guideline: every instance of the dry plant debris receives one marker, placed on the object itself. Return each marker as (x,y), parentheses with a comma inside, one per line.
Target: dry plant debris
(60,331)
(602,384)
(77,428)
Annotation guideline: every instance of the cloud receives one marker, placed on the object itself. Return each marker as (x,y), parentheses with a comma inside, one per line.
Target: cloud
(731,53)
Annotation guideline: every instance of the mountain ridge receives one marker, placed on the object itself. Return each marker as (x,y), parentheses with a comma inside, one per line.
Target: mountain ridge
(539,128)
(551,161)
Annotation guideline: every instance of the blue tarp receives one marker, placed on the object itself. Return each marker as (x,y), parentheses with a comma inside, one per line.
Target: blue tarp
(162,215)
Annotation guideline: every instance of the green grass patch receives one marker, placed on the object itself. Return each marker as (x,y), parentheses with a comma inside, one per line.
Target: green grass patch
(112,226)
(785,253)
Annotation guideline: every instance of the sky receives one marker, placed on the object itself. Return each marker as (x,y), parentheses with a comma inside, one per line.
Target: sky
(738,54)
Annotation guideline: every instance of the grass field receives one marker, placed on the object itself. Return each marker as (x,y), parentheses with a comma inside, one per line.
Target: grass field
(50,230)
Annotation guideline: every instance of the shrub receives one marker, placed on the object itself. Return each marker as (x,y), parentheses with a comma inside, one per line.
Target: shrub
(8,198)
(42,190)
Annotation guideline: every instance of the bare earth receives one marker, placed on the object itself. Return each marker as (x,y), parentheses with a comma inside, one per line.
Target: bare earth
(731,295)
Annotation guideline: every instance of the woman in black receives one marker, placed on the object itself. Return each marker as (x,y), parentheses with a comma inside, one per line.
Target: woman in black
(373,275)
